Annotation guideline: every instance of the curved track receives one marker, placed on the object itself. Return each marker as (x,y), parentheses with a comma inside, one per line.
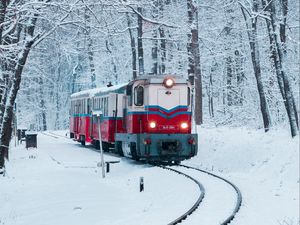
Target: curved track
(201,197)
(196,204)
(201,189)
(51,134)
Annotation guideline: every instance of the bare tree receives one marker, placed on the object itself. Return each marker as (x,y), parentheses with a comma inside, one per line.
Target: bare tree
(133,47)
(140,41)
(277,55)
(193,51)
(251,23)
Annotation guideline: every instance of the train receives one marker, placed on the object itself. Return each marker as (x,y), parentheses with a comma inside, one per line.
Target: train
(148,118)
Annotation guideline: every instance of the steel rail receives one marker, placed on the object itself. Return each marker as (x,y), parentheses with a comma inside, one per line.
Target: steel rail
(196,204)
(58,135)
(50,135)
(238,192)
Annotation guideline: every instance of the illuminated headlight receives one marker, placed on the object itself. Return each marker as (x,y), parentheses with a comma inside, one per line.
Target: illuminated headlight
(184,125)
(152,124)
(169,82)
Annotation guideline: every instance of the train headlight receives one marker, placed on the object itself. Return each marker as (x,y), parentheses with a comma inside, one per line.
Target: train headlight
(152,124)
(184,125)
(169,82)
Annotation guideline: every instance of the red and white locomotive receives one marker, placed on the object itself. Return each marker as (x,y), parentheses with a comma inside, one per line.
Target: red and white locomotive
(148,118)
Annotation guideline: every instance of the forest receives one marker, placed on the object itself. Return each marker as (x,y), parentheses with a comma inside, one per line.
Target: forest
(241,55)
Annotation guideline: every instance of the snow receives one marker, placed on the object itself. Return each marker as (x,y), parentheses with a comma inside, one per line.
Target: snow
(92,92)
(60,183)
(265,167)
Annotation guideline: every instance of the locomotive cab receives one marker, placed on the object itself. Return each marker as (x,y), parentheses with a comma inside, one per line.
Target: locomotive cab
(157,120)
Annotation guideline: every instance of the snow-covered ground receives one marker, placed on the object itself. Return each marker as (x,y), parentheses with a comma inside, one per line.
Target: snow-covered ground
(60,183)
(265,167)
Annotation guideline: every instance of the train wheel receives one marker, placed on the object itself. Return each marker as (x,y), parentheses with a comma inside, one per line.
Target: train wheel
(97,145)
(134,151)
(118,148)
(82,140)
(105,146)
(177,162)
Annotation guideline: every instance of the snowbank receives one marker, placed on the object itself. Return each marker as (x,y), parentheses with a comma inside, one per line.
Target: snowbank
(265,166)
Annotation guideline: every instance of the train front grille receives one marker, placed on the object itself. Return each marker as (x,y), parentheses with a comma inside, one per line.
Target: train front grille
(169,146)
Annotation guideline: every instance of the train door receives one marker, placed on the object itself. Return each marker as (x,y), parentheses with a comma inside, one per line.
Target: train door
(76,121)
(90,112)
(95,105)
(124,112)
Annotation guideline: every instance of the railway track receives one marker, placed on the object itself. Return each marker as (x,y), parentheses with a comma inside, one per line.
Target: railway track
(202,191)
(238,201)
(51,134)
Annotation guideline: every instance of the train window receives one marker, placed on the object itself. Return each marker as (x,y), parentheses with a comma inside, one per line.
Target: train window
(188,96)
(139,95)
(83,106)
(129,94)
(105,106)
(88,106)
(106,113)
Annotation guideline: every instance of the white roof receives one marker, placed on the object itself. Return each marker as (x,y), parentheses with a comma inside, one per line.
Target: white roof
(92,92)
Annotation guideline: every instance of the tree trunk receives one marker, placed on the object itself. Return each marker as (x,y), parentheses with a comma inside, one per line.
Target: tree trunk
(89,48)
(8,116)
(229,79)
(133,48)
(194,72)
(211,90)
(3,6)
(252,35)
(162,66)
(240,76)
(277,55)
(42,107)
(6,130)
(140,42)
(154,52)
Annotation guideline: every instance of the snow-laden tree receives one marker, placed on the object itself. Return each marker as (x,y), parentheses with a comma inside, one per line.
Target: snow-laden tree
(21,29)
(248,52)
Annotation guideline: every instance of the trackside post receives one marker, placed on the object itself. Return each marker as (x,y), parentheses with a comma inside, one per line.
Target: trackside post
(141,184)
(98,114)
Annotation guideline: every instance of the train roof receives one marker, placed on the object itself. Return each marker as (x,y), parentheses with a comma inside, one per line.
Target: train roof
(98,91)
(159,78)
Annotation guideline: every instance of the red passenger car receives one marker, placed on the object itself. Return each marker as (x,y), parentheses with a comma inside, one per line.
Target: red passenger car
(148,118)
